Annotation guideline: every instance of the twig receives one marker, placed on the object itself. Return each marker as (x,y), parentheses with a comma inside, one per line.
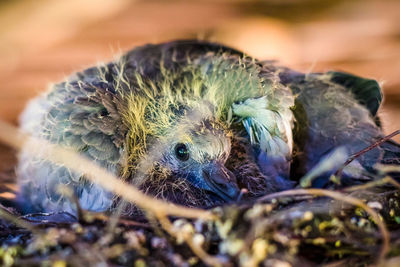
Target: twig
(197,249)
(11,136)
(67,191)
(365,150)
(17,221)
(386,168)
(104,218)
(385,180)
(114,218)
(344,198)
(243,192)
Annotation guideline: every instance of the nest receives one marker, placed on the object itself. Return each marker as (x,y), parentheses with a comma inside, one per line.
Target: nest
(357,226)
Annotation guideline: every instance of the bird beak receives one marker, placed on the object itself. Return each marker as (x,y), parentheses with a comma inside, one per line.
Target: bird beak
(221,181)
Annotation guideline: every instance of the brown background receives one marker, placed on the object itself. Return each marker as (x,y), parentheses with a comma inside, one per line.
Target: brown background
(42,41)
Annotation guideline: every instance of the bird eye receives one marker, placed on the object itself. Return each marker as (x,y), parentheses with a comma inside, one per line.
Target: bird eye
(182,152)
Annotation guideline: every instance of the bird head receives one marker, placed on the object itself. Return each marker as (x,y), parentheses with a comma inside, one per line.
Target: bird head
(198,156)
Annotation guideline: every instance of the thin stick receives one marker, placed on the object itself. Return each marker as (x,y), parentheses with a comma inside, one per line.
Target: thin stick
(17,221)
(385,180)
(365,150)
(344,198)
(198,250)
(11,136)
(386,168)
(124,222)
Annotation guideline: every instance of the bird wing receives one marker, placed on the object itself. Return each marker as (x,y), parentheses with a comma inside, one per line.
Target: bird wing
(335,109)
(81,114)
(366,91)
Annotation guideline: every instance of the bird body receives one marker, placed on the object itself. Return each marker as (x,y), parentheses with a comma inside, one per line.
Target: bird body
(193,122)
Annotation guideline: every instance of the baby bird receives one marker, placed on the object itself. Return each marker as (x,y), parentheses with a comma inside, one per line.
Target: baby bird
(195,123)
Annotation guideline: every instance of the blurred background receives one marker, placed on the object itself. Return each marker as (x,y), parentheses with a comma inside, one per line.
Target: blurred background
(42,41)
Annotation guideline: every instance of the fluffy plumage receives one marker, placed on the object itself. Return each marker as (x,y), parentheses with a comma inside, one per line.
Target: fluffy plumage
(141,115)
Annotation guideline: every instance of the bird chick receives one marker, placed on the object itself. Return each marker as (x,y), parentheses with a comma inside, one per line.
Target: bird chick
(196,123)
(180,120)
